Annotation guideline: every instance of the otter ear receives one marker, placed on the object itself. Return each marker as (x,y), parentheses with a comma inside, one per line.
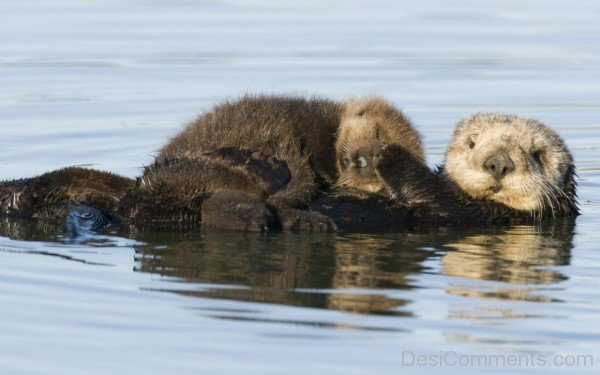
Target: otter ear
(472,140)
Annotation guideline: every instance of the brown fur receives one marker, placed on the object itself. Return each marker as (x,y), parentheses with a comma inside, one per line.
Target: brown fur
(293,139)
(50,195)
(365,123)
(297,130)
(301,132)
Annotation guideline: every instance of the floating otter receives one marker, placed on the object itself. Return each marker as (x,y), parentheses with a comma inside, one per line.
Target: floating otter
(193,181)
(364,124)
(498,169)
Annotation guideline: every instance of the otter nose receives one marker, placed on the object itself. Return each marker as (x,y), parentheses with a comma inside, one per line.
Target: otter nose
(499,165)
(364,158)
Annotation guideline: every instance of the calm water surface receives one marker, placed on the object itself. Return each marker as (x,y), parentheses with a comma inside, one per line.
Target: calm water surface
(105,83)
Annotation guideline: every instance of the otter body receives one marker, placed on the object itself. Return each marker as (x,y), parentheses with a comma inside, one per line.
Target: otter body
(198,165)
(287,151)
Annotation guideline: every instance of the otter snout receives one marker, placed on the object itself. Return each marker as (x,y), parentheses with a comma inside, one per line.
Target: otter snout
(364,158)
(499,165)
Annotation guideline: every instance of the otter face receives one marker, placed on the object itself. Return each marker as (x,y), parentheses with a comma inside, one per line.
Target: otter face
(366,123)
(513,160)
(354,154)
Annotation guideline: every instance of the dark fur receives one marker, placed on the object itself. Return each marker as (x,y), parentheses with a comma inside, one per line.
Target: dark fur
(52,195)
(238,147)
(258,164)
(430,199)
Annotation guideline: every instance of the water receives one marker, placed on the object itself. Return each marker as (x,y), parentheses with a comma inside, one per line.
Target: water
(105,83)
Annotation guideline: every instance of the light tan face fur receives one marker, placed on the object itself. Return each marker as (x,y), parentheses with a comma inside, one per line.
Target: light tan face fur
(541,160)
(366,123)
(358,136)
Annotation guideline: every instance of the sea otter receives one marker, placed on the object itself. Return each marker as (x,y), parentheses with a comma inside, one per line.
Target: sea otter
(364,124)
(498,169)
(191,181)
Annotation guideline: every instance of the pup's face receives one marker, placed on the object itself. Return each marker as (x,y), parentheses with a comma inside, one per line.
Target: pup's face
(508,159)
(354,154)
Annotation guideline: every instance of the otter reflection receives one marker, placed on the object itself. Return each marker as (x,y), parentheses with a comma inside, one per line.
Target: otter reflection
(519,256)
(29,230)
(345,273)
(351,273)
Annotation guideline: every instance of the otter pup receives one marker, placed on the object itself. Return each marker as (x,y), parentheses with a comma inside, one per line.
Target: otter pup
(364,124)
(300,132)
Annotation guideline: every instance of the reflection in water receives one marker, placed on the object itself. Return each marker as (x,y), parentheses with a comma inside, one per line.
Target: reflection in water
(351,273)
(345,273)
(520,257)
(29,230)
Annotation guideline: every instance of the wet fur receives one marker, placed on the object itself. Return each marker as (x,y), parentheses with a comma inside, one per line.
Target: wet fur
(364,124)
(543,179)
(51,195)
(231,187)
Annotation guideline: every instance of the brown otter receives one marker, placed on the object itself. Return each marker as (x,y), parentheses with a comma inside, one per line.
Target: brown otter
(498,169)
(187,173)
(364,124)
(301,132)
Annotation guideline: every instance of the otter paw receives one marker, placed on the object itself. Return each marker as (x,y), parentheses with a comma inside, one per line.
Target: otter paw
(84,220)
(393,158)
(306,221)
(270,173)
(235,210)
(384,152)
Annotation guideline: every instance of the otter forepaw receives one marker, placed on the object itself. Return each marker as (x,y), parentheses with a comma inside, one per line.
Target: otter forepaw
(85,220)
(306,221)
(384,154)
(270,173)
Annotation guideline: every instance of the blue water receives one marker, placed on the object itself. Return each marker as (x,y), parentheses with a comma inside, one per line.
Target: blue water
(105,83)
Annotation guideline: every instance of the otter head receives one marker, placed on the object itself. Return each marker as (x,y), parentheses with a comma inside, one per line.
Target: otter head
(366,123)
(513,160)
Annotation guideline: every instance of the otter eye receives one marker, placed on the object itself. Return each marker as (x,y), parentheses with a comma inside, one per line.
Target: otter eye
(537,156)
(346,161)
(471,141)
